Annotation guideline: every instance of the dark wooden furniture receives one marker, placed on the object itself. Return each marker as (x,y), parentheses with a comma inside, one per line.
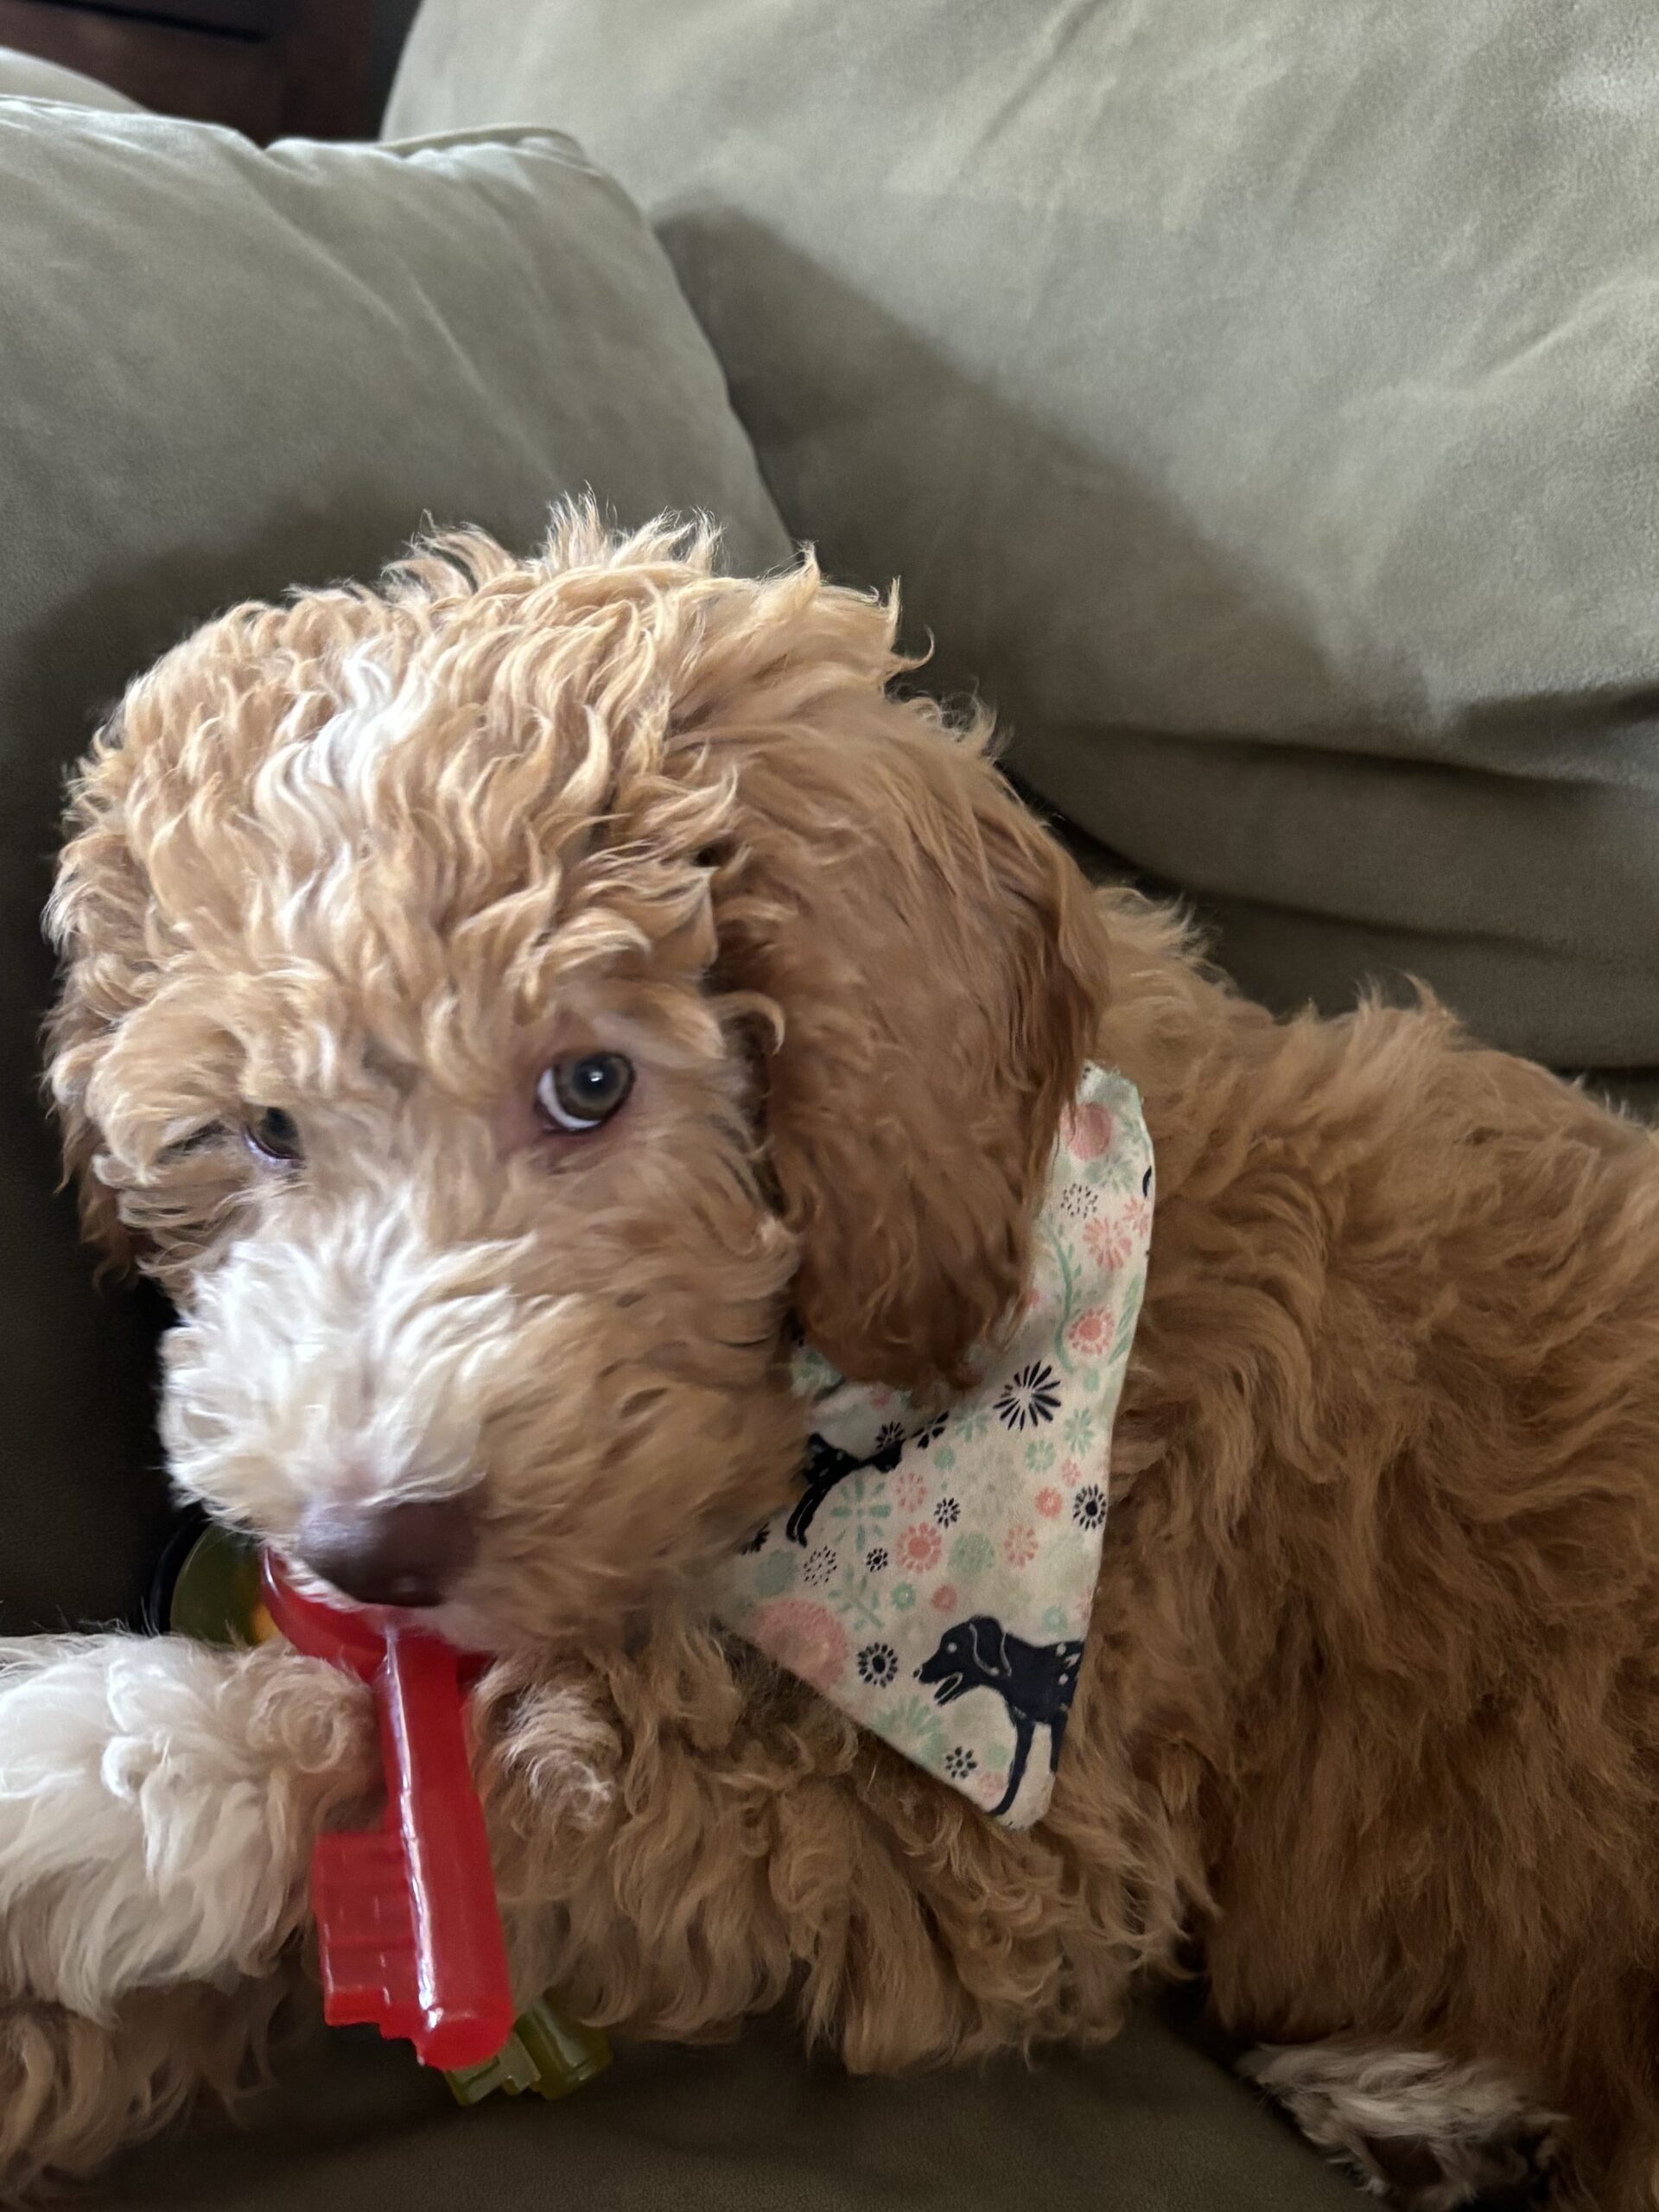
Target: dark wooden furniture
(272,68)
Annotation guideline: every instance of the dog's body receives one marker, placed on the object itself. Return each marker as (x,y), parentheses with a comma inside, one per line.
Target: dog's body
(1367,1721)
(1035,1683)
(825,1466)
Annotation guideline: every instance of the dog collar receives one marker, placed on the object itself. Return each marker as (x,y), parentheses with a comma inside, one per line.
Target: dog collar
(936,1575)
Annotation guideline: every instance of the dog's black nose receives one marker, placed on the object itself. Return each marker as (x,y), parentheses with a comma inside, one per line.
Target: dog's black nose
(389,1554)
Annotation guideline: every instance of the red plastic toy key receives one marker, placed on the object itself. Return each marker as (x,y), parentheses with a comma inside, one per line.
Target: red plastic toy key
(408,1928)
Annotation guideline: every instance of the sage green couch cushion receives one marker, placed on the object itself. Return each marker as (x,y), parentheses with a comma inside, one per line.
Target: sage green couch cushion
(223,372)
(1259,400)
(26,76)
(1145,2126)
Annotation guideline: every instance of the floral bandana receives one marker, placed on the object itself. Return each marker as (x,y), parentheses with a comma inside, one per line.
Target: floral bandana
(935,1577)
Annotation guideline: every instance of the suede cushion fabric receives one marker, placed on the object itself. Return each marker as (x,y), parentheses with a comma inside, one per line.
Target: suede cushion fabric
(224,371)
(1145,2126)
(27,75)
(1257,400)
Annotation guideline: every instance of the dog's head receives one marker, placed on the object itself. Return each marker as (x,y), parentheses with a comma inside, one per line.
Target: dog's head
(972,1656)
(494,1003)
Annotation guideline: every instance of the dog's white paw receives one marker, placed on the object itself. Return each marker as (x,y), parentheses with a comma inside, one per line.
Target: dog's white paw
(158,1803)
(1424,2133)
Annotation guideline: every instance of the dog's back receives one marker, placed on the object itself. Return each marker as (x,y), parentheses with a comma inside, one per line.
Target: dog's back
(1386,1584)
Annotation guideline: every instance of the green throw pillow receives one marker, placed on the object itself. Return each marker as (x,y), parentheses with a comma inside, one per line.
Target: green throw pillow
(1257,400)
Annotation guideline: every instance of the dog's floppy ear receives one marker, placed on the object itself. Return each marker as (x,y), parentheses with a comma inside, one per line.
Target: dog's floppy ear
(152,797)
(934,959)
(96,921)
(991,1643)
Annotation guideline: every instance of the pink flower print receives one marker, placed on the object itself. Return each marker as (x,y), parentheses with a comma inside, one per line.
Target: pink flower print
(1020,1545)
(1108,1240)
(990,1785)
(1137,1219)
(805,1639)
(910,1489)
(1071,1473)
(1089,1130)
(921,1547)
(1030,1298)
(1049,1502)
(880,1396)
(945,1597)
(1092,1332)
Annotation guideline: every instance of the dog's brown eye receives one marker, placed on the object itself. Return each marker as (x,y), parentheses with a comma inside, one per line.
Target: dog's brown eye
(578,1095)
(274,1134)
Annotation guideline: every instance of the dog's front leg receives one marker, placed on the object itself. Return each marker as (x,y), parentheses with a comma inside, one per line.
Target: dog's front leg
(158,1803)
(688,1837)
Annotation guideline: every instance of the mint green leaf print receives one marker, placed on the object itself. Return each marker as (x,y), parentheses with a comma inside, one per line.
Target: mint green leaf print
(811,1373)
(917,1727)
(859,1509)
(1068,1286)
(860,1603)
(972,1555)
(903,1596)
(775,1574)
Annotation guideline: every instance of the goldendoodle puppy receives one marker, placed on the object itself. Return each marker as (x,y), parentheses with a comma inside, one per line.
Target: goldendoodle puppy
(502,1008)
